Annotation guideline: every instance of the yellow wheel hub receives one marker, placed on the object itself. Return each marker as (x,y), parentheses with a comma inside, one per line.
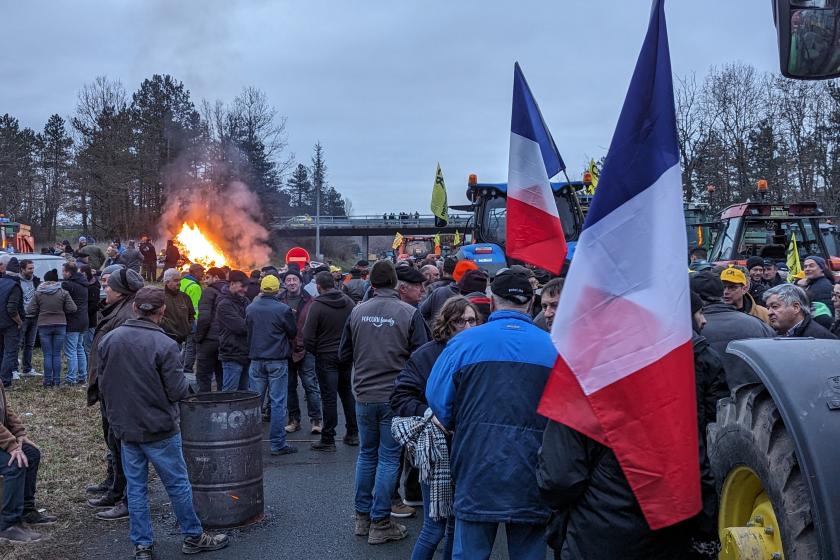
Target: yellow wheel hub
(747,523)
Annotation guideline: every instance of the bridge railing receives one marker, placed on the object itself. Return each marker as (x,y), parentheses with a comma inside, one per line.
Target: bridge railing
(308,222)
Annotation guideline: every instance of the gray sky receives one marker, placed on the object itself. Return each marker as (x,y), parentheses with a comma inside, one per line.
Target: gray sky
(389,88)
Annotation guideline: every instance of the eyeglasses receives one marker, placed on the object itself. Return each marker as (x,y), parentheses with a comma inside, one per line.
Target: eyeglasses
(463,322)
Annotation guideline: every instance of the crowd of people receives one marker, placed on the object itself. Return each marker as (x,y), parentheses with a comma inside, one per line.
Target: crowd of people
(438,367)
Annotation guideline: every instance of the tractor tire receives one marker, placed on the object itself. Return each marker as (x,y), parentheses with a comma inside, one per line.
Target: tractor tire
(749,432)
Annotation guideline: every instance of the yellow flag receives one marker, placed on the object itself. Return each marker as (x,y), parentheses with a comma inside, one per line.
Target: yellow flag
(437,240)
(439,205)
(398,239)
(793,258)
(457,240)
(593,173)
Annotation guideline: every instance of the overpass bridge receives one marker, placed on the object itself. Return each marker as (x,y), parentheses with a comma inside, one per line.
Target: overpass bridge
(367,226)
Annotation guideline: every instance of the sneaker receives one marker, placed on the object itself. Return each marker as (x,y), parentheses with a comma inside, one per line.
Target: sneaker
(102,502)
(413,503)
(119,511)
(143,552)
(293,426)
(19,534)
(98,488)
(362,524)
(386,530)
(204,543)
(15,375)
(323,446)
(288,450)
(35,517)
(351,439)
(399,509)
(316,427)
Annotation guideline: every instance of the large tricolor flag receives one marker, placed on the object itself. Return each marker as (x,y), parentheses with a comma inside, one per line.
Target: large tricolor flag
(534,233)
(625,371)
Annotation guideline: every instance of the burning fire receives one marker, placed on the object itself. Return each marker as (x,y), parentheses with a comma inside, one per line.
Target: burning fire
(198,249)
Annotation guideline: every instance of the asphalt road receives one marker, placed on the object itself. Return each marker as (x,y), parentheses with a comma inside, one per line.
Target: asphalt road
(308,514)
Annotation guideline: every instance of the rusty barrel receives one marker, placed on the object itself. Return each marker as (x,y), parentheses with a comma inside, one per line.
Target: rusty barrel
(222,441)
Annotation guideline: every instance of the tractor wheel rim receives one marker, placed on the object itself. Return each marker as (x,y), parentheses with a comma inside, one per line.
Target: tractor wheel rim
(747,523)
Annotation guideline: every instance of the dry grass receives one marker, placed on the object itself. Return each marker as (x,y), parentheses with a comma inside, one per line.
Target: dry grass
(69,434)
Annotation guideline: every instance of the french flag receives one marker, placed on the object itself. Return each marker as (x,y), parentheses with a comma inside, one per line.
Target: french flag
(533,233)
(625,372)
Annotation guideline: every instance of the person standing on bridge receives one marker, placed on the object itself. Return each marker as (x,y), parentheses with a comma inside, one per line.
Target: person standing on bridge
(142,381)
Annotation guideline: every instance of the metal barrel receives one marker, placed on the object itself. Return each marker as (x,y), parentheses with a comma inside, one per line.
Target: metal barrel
(222,442)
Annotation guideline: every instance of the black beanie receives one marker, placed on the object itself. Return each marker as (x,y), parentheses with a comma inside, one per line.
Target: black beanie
(696,303)
(753,262)
(707,285)
(383,275)
(51,276)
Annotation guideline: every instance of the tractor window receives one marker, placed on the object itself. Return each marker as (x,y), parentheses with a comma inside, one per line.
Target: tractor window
(770,239)
(722,250)
(494,224)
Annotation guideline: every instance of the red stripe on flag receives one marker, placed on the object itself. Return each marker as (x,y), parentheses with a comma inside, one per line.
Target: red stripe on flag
(649,420)
(534,236)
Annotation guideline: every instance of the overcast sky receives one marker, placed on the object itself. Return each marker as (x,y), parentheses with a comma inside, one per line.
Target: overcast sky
(389,88)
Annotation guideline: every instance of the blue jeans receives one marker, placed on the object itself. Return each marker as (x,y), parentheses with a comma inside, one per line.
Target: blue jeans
(74,351)
(273,374)
(433,532)
(475,540)
(28,332)
(52,340)
(378,462)
(89,341)
(18,486)
(232,375)
(168,460)
(305,369)
(11,341)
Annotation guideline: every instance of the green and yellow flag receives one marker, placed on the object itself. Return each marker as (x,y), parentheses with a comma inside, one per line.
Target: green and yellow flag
(457,240)
(594,174)
(793,258)
(398,239)
(440,207)
(437,240)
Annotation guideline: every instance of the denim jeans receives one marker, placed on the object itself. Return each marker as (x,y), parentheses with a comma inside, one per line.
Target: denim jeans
(168,460)
(28,332)
(272,373)
(18,486)
(335,382)
(74,351)
(475,540)
(378,462)
(52,340)
(89,341)
(305,369)
(433,532)
(233,375)
(188,354)
(11,343)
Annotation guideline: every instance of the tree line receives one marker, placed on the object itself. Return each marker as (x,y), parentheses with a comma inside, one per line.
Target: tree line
(112,165)
(737,126)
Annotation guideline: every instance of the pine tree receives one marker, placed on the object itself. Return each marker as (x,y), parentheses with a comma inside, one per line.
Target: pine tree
(54,156)
(299,189)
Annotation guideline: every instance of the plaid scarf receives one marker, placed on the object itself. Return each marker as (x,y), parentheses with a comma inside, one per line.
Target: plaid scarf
(427,450)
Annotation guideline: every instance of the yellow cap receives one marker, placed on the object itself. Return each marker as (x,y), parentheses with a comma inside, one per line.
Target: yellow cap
(799,275)
(270,284)
(334,268)
(733,275)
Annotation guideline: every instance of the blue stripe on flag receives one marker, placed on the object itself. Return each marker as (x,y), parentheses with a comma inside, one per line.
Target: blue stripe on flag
(644,144)
(526,121)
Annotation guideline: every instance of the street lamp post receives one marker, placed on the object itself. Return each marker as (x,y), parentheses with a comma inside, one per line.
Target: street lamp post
(318,218)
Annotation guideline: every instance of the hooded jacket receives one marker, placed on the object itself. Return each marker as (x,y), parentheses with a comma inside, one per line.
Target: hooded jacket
(233,331)
(113,316)
(271,328)
(325,322)
(77,287)
(142,381)
(725,324)
(132,259)
(206,325)
(51,305)
(820,290)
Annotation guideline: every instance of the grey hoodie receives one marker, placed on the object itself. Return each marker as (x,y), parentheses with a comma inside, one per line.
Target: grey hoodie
(51,304)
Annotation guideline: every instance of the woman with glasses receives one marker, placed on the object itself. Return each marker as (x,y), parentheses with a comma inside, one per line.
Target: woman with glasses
(409,399)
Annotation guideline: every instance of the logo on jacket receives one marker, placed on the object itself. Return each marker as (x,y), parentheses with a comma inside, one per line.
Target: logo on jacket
(378,321)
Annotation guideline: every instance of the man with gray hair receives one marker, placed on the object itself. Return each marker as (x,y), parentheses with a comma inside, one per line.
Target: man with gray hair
(790,313)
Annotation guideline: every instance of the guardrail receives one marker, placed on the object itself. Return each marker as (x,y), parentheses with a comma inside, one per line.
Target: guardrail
(368,221)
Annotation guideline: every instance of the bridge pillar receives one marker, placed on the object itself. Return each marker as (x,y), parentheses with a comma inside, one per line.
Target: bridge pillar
(365,246)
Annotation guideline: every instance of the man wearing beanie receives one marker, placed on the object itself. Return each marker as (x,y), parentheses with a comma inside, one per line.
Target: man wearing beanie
(233,332)
(12,315)
(120,291)
(758,285)
(271,330)
(378,338)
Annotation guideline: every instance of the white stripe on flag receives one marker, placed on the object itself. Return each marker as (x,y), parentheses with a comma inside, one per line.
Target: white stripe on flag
(625,302)
(527,178)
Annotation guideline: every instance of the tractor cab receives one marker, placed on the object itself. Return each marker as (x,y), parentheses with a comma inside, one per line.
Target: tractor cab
(766,229)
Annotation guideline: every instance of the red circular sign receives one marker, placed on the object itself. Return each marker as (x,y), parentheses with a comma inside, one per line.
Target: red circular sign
(297,255)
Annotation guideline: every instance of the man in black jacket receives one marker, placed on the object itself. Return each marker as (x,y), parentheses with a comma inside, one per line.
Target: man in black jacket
(233,332)
(77,324)
(321,337)
(790,313)
(271,329)
(207,363)
(12,314)
(142,381)
(149,253)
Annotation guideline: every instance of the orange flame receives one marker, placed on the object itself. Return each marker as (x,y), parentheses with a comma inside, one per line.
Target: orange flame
(198,248)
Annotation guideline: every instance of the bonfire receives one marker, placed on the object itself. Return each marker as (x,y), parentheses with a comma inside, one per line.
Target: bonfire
(198,248)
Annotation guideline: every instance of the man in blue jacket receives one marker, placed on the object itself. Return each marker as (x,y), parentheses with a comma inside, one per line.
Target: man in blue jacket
(485,387)
(271,329)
